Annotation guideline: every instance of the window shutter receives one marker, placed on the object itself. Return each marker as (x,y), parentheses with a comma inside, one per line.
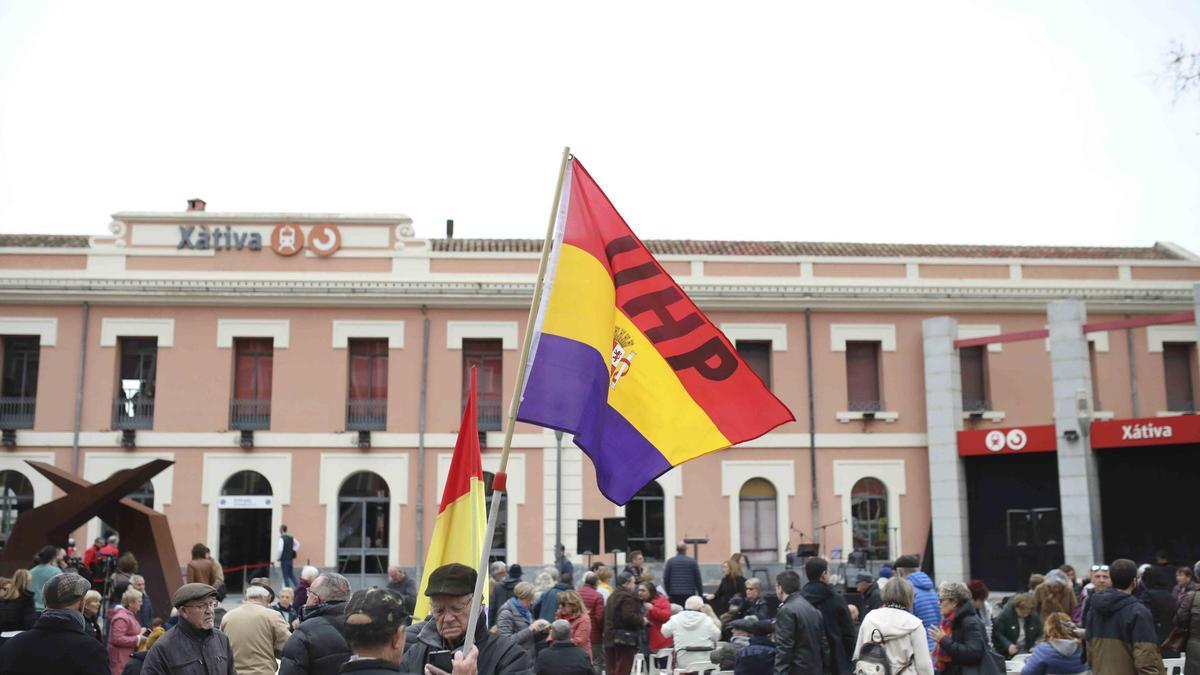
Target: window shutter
(862,375)
(974,387)
(1177,366)
(757,355)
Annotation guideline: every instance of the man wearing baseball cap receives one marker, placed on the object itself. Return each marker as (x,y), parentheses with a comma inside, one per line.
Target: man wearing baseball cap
(192,641)
(450,588)
(57,643)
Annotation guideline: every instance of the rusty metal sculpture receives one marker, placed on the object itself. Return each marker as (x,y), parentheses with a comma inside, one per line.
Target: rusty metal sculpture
(144,531)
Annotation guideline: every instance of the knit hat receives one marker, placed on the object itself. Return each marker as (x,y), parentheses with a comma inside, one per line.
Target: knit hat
(515,571)
(886,572)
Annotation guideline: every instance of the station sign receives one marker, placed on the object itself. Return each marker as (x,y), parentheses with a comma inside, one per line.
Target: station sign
(245,502)
(1007,441)
(287,239)
(1143,431)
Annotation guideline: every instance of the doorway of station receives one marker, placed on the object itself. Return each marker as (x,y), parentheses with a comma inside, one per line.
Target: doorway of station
(1014,518)
(1146,496)
(244,548)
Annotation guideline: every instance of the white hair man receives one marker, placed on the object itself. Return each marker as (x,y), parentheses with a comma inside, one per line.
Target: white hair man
(256,632)
(318,645)
(403,586)
(694,633)
(307,576)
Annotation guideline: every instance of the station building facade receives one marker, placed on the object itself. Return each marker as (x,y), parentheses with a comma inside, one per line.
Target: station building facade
(309,369)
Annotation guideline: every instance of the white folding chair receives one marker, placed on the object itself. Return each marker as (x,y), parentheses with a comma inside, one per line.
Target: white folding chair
(1174,666)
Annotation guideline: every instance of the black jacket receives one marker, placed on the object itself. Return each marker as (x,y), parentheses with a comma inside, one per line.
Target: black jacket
(185,650)
(564,658)
(726,589)
(370,667)
(800,644)
(871,599)
(497,655)
(966,644)
(56,644)
(134,665)
(317,647)
(17,614)
(839,628)
(501,592)
(681,576)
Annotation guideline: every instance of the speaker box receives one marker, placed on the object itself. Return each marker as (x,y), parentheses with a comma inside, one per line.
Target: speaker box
(587,537)
(615,540)
(1047,526)
(1020,528)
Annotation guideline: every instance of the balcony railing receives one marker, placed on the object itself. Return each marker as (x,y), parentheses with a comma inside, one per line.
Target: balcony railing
(865,405)
(368,414)
(971,405)
(1181,406)
(250,414)
(16,412)
(135,414)
(489,413)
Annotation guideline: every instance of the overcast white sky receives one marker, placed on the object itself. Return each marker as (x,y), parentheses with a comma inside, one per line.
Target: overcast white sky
(1025,122)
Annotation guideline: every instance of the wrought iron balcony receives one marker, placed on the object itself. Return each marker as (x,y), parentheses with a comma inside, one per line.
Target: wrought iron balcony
(865,405)
(16,412)
(135,414)
(368,414)
(489,413)
(976,405)
(250,414)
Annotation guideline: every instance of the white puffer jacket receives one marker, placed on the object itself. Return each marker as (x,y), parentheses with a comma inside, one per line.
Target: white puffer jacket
(903,637)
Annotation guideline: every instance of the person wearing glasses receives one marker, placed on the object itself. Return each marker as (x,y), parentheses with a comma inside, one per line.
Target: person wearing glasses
(1101,581)
(318,646)
(960,640)
(192,646)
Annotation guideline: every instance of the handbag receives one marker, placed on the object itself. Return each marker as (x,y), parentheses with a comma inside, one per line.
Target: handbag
(1177,641)
(624,637)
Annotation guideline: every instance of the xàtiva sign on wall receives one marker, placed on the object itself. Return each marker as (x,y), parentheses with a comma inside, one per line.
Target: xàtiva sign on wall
(287,239)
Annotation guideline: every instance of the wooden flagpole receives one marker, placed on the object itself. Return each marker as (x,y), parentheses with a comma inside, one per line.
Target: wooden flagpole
(500,481)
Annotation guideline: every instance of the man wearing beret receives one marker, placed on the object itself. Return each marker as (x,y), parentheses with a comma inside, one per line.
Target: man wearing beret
(57,643)
(192,647)
(449,590)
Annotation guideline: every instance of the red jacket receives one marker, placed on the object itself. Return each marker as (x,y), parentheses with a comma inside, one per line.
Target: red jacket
(581,631)
(594,603)
(660,613)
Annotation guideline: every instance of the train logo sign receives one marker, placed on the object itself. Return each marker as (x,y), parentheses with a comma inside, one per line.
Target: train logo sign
(994,441)
(1023,440)
(997,440)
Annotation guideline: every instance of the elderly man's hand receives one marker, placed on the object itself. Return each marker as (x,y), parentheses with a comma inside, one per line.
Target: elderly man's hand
(540,626)
(463,664)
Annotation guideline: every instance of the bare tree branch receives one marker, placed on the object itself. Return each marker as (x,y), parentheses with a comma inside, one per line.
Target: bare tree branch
(1183,67)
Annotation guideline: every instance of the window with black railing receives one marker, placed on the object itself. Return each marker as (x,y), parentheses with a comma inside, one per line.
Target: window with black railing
(366,403)
(488,358)
(133,404)
(972,364)
(862,377)
(250,407)
(18,391)
(1178,362)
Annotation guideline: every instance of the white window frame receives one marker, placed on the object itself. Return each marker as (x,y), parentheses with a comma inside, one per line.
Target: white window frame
(505,331)
(276,329)
(775,333)
(883,333)
(45,327)
(336,467)
(112,328)
(890,472)
(344,331)
(780,473)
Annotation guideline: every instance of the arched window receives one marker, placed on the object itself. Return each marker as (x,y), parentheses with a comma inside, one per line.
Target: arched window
(144,495)
(759,520)
(868,509)
(16,497)
(363,505)
(245,483)
(500,537)
(644,522)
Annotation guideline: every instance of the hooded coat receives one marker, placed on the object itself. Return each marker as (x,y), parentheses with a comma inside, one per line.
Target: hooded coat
(925,601)
(903,637)
(691,628)
(1120,636)
(547,605)
(839,628)
(1056,657)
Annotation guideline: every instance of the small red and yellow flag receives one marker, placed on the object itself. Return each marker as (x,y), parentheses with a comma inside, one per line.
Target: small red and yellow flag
(461,524)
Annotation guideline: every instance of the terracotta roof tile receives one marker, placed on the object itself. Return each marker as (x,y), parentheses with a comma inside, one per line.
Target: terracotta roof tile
(833,249)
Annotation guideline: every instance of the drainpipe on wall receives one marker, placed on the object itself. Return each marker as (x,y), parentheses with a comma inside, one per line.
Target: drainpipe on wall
(1133,388)
(421,442)
(812,427)
(83,338)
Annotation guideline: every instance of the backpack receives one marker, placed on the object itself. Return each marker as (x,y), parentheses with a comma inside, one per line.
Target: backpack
(873,658)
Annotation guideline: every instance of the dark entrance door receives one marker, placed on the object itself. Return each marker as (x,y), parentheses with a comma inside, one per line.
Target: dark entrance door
(1017,493)
(245,528)
(1146,496)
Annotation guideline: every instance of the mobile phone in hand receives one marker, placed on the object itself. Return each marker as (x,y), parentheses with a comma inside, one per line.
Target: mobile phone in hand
(443,659)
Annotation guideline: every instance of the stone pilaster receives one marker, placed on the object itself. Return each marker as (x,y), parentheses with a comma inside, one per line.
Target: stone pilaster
(947,480)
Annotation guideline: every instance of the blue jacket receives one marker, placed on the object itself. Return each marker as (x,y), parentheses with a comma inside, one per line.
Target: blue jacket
(1056,657)
(756,658)
(925,601)
(681,576)
(547,605)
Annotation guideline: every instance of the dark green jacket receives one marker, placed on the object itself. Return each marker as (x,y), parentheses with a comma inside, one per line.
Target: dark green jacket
(1005,630)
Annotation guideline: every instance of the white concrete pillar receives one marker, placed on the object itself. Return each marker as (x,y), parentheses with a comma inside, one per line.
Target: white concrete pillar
(1078,481)
(947,480)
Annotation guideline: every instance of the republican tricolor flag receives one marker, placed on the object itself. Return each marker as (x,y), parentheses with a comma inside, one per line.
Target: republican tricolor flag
(622,359)
(461,523)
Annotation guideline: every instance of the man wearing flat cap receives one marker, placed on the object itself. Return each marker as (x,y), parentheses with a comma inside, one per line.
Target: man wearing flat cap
(758,656)
(57,643)
(192,647)
(450,588)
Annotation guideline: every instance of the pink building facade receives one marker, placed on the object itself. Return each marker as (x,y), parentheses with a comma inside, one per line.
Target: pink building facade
(308,369)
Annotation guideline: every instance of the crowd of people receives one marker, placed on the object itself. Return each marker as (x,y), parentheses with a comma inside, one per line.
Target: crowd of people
(1122,620)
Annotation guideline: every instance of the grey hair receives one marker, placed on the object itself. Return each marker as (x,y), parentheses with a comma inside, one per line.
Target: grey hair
(561,629)
(523,591)
(693,603)
(755,583)
(137,577)
(898,591)
(256,593)
(497,567)
(131,594)
(309,573)
(953,590)
(334,587)
(395,568)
